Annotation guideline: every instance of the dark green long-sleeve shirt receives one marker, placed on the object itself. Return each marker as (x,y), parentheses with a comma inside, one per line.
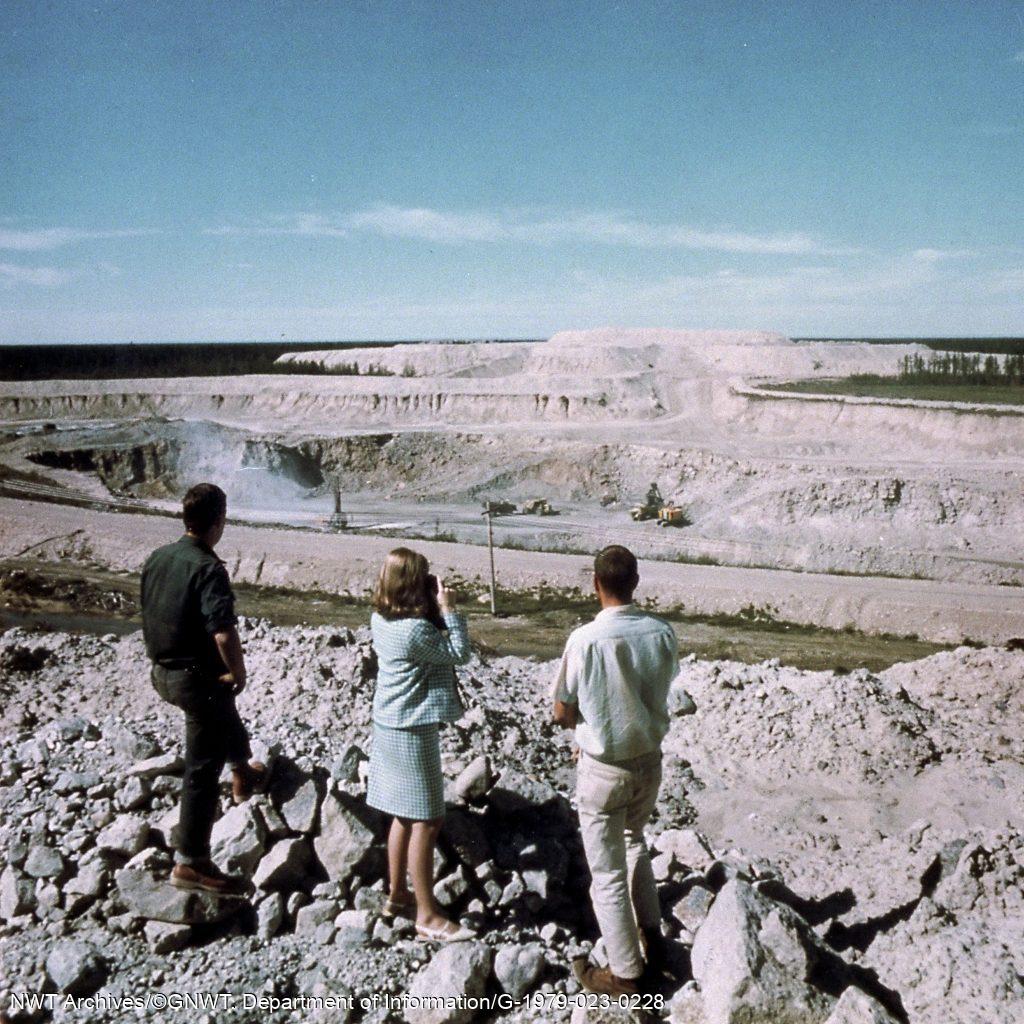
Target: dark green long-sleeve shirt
(186,598)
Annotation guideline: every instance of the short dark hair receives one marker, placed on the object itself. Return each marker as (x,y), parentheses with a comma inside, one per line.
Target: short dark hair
(616,570)
(202,506)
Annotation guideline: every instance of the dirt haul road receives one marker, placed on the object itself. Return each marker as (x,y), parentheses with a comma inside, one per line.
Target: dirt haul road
(941,611)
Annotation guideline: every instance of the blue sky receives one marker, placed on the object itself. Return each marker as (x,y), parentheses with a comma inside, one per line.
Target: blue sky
(235,170)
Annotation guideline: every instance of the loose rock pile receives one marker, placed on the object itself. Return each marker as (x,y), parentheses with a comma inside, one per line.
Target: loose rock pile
(919,925)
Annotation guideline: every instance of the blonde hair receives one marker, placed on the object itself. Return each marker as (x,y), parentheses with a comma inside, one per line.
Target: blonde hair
(401,591)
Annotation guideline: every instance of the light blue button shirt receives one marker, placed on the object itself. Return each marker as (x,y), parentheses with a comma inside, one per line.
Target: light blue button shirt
(618,670)
(416,670)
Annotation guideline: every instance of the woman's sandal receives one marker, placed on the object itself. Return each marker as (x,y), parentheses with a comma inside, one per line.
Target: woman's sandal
(448,932)
(398,908)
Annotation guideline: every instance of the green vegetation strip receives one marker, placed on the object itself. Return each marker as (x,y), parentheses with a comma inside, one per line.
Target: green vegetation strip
(533,623)
(865,386)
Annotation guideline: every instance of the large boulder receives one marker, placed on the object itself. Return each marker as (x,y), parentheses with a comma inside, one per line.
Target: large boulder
(300,810)
(163,937)
(754,960)
(125,835)
(285,868)
(456,973)
(270,915)
(857,1007)
(688,847)
(44,862)
(692,910)
(474,780)
(75,968)
(151,897)
(17,894)
(238,840)
(519,968)
(346,836)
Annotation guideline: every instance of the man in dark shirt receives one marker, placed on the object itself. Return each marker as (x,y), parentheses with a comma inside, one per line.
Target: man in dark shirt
(188,622)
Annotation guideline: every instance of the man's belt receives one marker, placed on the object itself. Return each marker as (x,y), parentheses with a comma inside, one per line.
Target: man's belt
(176,663)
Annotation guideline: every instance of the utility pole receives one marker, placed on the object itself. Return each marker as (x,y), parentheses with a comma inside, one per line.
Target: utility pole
(490,550)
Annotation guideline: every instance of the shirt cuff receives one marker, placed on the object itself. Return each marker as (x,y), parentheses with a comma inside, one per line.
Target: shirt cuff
(221,625)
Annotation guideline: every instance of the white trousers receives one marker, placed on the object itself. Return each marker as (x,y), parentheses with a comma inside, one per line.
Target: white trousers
(615,803)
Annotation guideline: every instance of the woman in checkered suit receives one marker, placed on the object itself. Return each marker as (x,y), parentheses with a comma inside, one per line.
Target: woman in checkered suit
(419,638)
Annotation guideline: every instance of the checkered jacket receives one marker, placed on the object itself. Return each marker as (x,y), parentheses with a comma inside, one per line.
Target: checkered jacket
(416,670)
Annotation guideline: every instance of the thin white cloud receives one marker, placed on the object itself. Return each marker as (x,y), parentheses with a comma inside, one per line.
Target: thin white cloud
(612,228)
(937,255)
(41,277)
(45,239)
(1018,57)
(430,225)
(309,225)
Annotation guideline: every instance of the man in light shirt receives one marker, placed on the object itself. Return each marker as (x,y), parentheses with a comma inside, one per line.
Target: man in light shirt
(612,688)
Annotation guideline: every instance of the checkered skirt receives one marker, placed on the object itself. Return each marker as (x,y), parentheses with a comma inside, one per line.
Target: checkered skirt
(405,777)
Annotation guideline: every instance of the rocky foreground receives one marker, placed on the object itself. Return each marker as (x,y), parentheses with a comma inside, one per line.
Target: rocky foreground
(830,849)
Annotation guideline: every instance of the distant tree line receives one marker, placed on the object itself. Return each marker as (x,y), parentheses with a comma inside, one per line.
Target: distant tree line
(962,368)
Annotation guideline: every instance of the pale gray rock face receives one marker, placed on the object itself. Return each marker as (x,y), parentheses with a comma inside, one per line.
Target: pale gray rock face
(519,968)
(270,915)
(125,835)
(692,910)
(44,862)
(687,1005)
(680,702)
(76,968)
(344,840)
(353,927)
(475,779)
(161,764)
(134,793)
(314,914)
(456,969)
(975,970)
(164,937)
(238,839)
(155,899)
(91,880)
(857,1007)
(17,894)
(285,867)
(687,845)
(604,1015)
(301,810)
(450,889)
(751,959)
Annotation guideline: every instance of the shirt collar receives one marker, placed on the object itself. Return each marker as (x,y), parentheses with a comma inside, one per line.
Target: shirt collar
(616,609)
(197,543)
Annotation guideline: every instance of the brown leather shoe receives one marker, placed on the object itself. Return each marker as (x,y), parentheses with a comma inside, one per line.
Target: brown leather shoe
(206,877)
(601,981)
(248,779)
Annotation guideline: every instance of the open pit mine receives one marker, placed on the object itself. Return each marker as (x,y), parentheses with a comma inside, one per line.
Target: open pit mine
(418,437)
(831,847)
